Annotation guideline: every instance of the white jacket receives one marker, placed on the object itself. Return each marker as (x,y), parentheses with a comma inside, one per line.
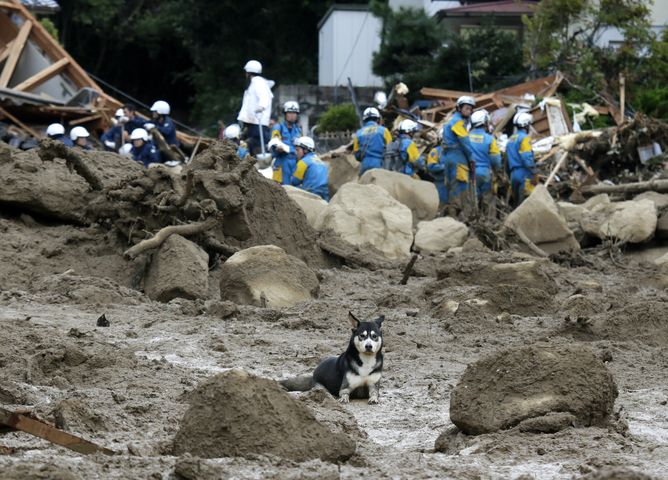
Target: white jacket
(257,96)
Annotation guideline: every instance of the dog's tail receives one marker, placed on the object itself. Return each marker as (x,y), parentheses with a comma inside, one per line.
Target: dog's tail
(302,383)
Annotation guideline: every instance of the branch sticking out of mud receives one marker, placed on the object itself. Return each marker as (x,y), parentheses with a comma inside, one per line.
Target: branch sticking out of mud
(50,149)
(183,230)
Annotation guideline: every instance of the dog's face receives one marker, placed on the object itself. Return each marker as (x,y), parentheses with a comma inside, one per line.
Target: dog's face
(367,336)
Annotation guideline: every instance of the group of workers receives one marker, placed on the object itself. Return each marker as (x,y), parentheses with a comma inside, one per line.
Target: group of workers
(130,135)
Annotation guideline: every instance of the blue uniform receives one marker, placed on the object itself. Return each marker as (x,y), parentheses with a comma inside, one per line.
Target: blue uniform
(457,153)
(64,139)
(409,154)
(285,163)
(242,151)
(436,167)
(136,122)
(369,145)
(487,156)
(113,135)
(167,128)
(521,164)
(312,175)
(146,154)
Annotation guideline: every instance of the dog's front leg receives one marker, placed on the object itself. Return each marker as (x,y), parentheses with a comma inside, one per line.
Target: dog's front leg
(344,392)
(374,391)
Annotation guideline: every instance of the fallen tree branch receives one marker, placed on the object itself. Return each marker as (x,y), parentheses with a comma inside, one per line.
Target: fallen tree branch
(556,168)
(660,186)
(50,149)
(527,241)
(166,232)
(408,270)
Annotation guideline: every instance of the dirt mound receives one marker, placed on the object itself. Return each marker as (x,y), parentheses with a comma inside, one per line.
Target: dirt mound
(66,288)
(36,471)
(74,415)
(501,390)
(235,414)
(617,474)
(646,322)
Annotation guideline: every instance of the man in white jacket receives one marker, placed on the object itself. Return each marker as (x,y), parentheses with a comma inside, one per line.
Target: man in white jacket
(256,106)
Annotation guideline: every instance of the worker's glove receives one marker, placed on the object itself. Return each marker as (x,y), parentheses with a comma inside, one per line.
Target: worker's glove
(110,144)
(273,142)
(149,126)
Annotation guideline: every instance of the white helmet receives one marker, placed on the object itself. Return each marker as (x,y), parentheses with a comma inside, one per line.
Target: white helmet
(55,129)
(523,119)
(479,118)
(306,143)
(119,113)
(291,106)
(407,126)
(78,132)
(253,66)
(161,107)
(465,100)
(139,134)
(371,112)
(232,132)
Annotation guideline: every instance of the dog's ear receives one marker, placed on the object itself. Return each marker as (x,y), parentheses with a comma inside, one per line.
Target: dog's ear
(380,320)
(354,322)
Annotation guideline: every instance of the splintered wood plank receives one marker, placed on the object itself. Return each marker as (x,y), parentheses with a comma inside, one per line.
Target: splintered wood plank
(4,53)
(43,75)
(15,53)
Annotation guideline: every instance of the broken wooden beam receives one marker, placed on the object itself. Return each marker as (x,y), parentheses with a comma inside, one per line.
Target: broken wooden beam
(15,53)
(660,186)
(43,75)
(556,168)
(18,122)
(52,434)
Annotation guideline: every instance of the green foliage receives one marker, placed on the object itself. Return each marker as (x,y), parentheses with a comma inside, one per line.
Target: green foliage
(653,102)
(49,26)
(418,50)
(339,118)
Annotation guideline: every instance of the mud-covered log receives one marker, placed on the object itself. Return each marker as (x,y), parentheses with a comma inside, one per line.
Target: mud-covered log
(660,186)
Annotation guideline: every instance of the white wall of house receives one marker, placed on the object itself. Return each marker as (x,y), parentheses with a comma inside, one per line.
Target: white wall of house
(346,42)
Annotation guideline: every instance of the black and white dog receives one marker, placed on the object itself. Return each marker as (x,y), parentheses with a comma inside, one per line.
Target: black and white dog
(356,372)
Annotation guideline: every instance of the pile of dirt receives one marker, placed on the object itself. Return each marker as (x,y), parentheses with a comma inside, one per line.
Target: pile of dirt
(37,471)
(503,389)
(69,288)
(646,322)
(235,414)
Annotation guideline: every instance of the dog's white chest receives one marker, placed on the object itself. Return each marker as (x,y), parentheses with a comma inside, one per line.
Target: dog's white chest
(364,375)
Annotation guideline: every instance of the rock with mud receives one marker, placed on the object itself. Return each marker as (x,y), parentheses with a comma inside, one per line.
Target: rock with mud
(572,213)
(440,234)
(629,222)
(539,218)
(617,474)
(516,384)
(646,322)
(312,205)
(74,415)
(180,269)
(342,169)
(418,195)
(550,423)
(266,276)
(366,215)
(236,414)
(72,288)
(660,200)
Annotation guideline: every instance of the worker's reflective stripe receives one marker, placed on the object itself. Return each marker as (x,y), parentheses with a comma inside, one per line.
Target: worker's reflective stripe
(528,187)
(387,136)
(494,148)
(476,138)
(413,153)
(356,144)
(433,156)
(276,134)
(300,171)
(460,129)
(525,146)
(278,175)
(462,173)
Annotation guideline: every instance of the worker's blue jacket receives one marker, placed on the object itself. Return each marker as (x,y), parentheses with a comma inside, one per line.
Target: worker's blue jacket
(136,122)
(146,154)
(113,135)
(485,151)
(369,145)
(312,175)
(67,141)
(167,128)
(436,167)
(520,164)
(409,154)
(285,163)
(456,154)
(242,151)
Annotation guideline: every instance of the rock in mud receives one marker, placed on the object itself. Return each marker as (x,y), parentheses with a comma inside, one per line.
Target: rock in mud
(180,269)
(74,415)
(646,322)
(630,222)
(364,215)
(312,205)
(342,169)
(539,218)
(516,384)
(440,235)
(418,195)
(267,276)
(235,414)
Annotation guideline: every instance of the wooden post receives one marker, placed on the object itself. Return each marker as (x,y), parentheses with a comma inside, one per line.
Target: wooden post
(556,168)
(622,97)
(43,75)
(15,53)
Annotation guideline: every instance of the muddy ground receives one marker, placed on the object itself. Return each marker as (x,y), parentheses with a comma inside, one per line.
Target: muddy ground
(126,386)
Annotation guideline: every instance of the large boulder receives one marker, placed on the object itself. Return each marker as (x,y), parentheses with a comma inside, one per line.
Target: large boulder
(342,169)
(440,234)
(366,215)
(572,213)
(267,276)
(180,269)
(539,218)
(312,205)
(502,390)
(631,222)
(660,199)
(420,196)
(235,414)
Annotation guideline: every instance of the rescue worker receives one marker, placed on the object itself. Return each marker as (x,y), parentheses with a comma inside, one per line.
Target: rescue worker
(436,167)
(255,110)
(283,136)
(311,173)
(486,155)
(133,120)
(233,133)
(160,112)
(410,155)
(521,164)
(79,137)
(370,141)
(143,150)
(457,150)
(113,138)
(56,131)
